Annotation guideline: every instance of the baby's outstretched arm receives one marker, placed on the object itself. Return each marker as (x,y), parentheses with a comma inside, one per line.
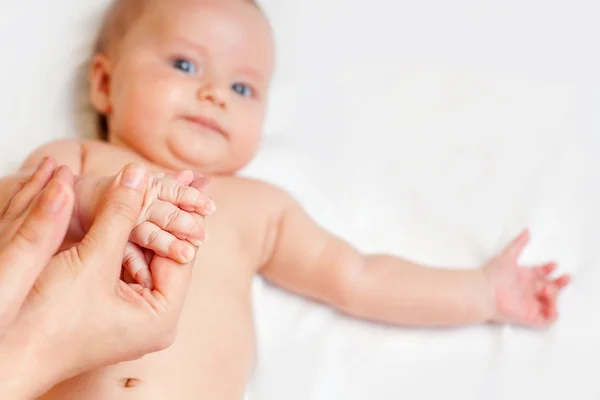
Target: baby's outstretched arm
(308,260)
(170,223)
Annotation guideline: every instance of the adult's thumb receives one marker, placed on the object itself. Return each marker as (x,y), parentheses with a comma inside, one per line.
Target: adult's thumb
(116,218)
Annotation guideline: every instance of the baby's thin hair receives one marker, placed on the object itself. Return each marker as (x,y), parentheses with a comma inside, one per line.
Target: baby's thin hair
(119,17)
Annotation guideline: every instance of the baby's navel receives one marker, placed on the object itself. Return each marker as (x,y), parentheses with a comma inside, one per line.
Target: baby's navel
(131,382)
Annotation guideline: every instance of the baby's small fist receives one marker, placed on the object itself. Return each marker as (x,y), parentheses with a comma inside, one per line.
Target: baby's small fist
(172,221)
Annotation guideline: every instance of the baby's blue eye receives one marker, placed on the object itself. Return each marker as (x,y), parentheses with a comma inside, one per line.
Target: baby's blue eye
(242,89)
(185,66)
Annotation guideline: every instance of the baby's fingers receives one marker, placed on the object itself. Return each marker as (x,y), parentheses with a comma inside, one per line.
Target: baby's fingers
(562,281)
(185,197)
(184,177)
(547,298)
(516,247)
(164,244)
(544,270)
(134,262)
(182,224)
(203,184)
(547,305)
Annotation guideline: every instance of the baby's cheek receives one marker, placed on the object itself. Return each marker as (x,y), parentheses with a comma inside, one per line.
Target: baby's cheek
(248,130)
(145,110)
(156,99)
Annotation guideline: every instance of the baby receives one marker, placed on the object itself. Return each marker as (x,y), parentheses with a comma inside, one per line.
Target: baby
(183,85)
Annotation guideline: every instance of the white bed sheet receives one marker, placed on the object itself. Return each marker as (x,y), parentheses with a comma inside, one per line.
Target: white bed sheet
(434,131)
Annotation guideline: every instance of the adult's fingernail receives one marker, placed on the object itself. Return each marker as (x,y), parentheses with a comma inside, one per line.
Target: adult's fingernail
(54,199)
(42,162)
(133,176)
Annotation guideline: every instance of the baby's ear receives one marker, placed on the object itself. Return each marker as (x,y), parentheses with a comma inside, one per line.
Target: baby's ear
(99,78)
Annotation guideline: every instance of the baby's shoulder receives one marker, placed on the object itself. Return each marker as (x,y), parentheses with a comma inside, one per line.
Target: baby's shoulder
(105,158)
(65,152)
(253,208)
(83,156)
(251,194)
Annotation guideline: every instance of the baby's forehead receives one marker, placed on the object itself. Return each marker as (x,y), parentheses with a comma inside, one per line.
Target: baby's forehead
(193,15)
(234,30)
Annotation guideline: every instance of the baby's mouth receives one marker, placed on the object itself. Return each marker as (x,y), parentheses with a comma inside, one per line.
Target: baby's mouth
(204,124)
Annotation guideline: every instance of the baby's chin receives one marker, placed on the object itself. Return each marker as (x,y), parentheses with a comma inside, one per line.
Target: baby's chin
(206,153)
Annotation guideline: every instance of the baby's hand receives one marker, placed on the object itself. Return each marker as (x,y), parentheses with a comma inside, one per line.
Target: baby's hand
(171,223)
(525,296)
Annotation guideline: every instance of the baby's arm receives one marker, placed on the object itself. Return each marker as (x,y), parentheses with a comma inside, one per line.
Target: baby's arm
(308,260)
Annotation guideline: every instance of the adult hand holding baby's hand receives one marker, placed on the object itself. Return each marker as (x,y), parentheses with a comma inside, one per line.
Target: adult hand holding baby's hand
(525,296)
(170,223)
(81,315)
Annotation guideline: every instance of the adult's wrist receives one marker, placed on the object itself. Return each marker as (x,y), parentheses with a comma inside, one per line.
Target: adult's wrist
(26,370)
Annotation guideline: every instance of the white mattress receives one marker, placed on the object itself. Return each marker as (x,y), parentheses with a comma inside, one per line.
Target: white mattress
(433,130)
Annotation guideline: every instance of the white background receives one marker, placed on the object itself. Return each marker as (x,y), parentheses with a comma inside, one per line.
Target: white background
(434,130)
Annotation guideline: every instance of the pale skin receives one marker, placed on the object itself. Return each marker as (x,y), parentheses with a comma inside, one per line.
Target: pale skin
(69,313)
(170,224)
(186,89)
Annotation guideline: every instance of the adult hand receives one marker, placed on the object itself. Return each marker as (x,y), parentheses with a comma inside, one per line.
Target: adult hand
(31,230)
(81,316)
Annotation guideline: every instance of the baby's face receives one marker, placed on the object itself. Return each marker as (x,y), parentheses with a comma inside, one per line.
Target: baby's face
(188,86)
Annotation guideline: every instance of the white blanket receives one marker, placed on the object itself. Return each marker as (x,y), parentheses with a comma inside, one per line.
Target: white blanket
(433,130)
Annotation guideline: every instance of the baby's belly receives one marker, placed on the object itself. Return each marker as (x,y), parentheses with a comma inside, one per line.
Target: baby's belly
(160,377)
(210,359)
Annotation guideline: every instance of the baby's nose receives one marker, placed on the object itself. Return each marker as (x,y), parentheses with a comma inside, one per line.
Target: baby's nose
(209,94)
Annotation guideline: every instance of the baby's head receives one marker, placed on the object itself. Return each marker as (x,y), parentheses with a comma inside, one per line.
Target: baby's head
(184,82)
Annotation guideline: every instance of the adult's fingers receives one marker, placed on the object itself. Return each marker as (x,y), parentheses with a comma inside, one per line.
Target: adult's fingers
(24,193)
(171,282)
(116,218)
(35,242)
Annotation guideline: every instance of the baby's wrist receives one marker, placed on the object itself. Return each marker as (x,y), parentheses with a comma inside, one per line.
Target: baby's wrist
(89,192)
(488,299)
